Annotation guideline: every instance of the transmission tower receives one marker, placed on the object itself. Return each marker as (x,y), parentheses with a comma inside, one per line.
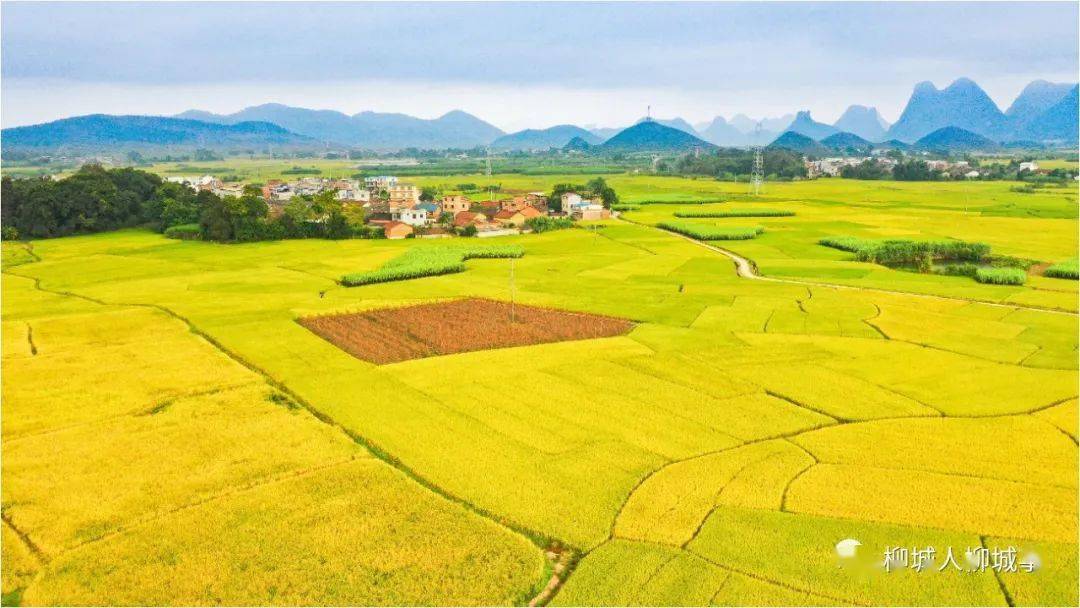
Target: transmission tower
(488,169)
(757,173)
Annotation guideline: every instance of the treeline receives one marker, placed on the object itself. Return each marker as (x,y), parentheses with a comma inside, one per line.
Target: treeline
(95,199)
(92,200)
(904,171)
(730,164)
(596,188)
(914,170)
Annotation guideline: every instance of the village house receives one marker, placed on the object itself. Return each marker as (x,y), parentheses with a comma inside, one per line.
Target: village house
(515,204)
(582,208)
(404,193)
(224,190)
(379,183)
(529,212)
(508,217)
(570,199)
(397,230)
(538,200)
(1029,166)
(590,212)
(432,209)
(414,216)
(456,203)
(468,218)
(359,195)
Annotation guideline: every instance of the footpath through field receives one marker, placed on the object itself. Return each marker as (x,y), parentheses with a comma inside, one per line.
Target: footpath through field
(747,269)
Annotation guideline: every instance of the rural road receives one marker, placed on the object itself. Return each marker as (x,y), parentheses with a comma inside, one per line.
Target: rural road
(746,269)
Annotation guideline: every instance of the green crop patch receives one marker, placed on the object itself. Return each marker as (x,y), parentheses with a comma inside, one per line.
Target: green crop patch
(720,213)
(422,262)
(706,232)
(1069,269)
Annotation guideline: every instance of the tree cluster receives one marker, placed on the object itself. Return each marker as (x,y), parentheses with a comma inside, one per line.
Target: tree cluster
(596,188)
(730,164)
(96,199)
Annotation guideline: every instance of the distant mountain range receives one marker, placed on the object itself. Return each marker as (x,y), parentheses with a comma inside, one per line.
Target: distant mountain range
(1043,113)
(544,139)
(943,140)
(374,130)
(102,131)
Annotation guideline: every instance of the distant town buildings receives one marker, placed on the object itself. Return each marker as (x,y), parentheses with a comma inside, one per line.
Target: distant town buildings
(396,208)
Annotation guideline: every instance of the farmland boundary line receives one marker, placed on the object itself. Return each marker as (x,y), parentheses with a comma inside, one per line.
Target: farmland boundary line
(30,339)
(35,550)
(997,576)
(542,541)
(747,269)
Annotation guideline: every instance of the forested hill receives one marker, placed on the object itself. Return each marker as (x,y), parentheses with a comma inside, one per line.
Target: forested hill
(103,131)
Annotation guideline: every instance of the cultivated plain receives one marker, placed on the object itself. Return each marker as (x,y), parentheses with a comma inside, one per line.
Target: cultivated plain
(172,433)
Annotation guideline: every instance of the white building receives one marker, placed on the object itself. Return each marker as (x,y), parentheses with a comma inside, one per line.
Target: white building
(354,194)
(414,217)
(1029,166)
(380,183)
(569,200)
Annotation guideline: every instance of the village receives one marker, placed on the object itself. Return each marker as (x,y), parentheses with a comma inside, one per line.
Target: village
(398,208)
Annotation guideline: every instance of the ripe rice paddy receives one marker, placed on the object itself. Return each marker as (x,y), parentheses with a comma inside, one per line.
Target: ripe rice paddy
(172,434)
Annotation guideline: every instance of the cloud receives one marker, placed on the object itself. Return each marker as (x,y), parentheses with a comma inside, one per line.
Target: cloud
(693,56)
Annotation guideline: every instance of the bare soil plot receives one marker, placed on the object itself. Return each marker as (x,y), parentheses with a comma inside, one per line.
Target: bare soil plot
(390,335)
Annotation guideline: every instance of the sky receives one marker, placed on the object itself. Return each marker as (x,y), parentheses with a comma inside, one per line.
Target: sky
(520,65)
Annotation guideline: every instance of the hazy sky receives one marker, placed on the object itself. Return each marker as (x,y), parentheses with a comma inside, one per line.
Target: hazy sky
(520,65)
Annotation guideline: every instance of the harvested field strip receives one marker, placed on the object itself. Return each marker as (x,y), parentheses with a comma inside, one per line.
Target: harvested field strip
(398,334)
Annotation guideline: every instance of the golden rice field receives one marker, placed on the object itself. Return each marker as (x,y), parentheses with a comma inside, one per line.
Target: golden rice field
(172,435)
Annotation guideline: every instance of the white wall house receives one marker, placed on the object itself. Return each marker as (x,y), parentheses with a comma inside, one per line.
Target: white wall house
(414,217)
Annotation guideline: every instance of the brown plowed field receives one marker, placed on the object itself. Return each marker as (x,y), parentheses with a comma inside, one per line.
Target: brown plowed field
(390,335)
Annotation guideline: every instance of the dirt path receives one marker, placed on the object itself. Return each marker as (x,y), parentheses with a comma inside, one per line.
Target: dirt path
(746,269)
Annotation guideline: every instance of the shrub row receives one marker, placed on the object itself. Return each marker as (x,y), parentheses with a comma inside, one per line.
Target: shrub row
(428,262)
(904,252)
(1001,276)
(704,232)
(546,224)
(625,207)
(1069,269)
(184,232)
(734,213)
(679,202)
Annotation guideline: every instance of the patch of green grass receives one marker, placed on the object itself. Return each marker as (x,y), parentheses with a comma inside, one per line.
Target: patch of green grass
(1001,276)
(1069,269)
(705,232)
(428,262)
(691,213)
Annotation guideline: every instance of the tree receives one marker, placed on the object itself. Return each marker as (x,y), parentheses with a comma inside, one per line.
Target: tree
(598,188)
(428,193)
(337,227)
(214,218)
(555,198)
